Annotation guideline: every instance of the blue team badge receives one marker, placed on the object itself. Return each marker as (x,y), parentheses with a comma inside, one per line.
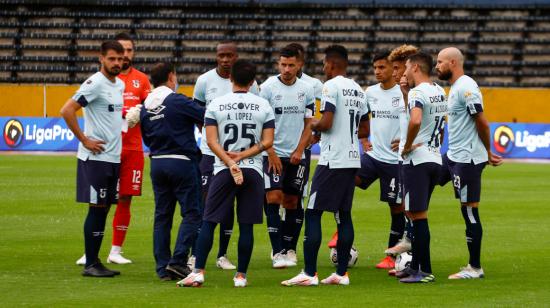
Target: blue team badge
(301,97)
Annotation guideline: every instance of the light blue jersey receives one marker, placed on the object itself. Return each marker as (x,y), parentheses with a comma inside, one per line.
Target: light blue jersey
(431,98)
(315,83)
(209,86)
(384,121)
(340,145)
(404,117)
(240,118)
(291,105)
(465,101)
(102,103)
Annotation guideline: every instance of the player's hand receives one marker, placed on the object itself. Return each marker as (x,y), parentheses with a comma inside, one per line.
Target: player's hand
(132,116)
(495,160)
(367,146)
(404,85)
(395,145)
(409,150)
(236,156)
(274,164)
(296,157)
(314,139)
(237,174)
(95,146)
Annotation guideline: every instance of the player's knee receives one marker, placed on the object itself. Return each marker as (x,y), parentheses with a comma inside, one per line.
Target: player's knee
(290,202)
(418,215)
(358,181)
(470,204)
(274,197)
(396,208)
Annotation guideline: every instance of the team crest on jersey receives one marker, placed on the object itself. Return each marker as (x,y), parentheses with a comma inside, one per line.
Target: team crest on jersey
(278,97)
(212,90)
(135,83)
(395,101)
(301,97)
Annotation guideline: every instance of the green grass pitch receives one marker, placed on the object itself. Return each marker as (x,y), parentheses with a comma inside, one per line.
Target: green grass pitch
(41,238)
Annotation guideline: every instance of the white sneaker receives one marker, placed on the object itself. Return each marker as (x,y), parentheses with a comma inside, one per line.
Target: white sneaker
(301,279)
(336,279)
(279,261)
(291,257)
(192,280)
(402,246)
(224,263)
(239,281)
(468,272)
(117,258)
(191,262)
(81,261)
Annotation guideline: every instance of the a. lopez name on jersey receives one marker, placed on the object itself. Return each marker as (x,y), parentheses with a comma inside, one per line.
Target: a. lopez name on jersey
(241,109)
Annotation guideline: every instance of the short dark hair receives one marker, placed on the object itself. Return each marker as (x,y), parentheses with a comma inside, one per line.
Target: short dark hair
(337,52)
(299,48)
(111,45)
(243,72)
(381,55)
(424,61)
(289,52)
(160,73)
(124,36)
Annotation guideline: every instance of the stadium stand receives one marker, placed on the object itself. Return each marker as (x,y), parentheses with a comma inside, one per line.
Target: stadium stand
(505,42)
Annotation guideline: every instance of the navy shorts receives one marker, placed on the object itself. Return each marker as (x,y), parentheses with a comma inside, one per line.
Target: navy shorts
(206,166)
(291,181)
(332,189)
(466,179)
(97,182)
(222,193)
(372,170)
(418,184)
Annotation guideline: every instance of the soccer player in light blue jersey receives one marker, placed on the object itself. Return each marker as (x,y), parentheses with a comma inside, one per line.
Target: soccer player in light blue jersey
(421,160)
(293,102)
(469,151)
(99,149)
(239,126)
(344,118)
(209,86)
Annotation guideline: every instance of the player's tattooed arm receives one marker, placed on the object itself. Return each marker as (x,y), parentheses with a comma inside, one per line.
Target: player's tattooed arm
(68,112)
(265,144)
(484,133)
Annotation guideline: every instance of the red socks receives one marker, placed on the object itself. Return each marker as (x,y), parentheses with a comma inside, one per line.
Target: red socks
(121,221)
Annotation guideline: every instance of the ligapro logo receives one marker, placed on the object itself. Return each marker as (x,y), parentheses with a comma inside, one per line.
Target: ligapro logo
(13,133)
(505,139)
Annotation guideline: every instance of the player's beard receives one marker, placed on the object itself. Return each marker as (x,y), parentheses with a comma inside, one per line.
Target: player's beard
(126,64)
(445,75)
(113,71)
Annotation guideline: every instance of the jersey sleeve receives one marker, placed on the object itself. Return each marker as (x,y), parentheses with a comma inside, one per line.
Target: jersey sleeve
(210,116)
(318,89)
(329,98)
(199,92)
(269,118)
(87,92)
(146,88)
(416,99)
(471,97)
(265,91)
(310,103)
(190,109)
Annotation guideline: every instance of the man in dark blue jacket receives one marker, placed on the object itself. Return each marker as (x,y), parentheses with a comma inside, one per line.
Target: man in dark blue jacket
(168,123)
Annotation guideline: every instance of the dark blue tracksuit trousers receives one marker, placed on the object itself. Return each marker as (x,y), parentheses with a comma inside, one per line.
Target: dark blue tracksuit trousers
(175,180)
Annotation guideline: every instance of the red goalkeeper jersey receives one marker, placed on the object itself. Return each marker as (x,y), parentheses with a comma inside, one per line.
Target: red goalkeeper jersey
(137,87)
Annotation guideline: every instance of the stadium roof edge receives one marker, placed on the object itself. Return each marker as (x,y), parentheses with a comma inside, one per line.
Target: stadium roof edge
(478,4)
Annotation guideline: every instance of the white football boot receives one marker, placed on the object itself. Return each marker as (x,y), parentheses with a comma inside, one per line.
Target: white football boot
(192,280)
(336,279)
(468,272)
(302,279)
(224,263)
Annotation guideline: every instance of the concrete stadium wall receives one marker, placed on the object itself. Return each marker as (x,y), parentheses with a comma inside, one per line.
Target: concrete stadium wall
(501,104)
